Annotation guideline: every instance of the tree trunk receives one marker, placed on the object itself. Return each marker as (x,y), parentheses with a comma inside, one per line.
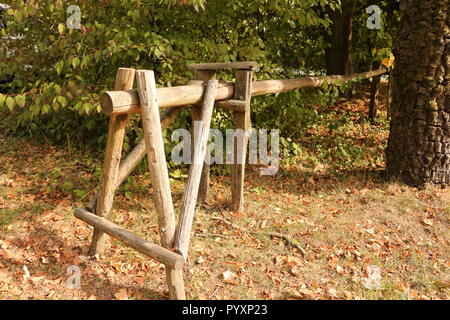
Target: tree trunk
(418,149)
(339,54)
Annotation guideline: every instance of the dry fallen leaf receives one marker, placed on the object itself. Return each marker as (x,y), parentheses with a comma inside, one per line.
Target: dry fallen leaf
(263,224)
(332,292)
(3,244)
(200,260)
(27,273)
(306,293)
(77,260)
(228,276)
(348,294)
(295,270)
(5,253)
(121,295)
(292,260)
(68,252)
(139,280)
(5,181)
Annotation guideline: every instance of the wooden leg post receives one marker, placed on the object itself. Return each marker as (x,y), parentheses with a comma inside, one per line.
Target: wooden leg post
(203,189)
(195,171)
(196,112)
(389,93)
(160,176)
(242,122)
(116,132)
(374,98)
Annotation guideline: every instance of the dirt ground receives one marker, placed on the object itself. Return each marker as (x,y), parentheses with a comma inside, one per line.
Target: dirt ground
(363,238)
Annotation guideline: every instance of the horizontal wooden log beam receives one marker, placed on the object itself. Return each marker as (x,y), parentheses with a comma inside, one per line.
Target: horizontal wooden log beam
(276,86)
(154,251)
(248,65)
(125,102)
(235,105)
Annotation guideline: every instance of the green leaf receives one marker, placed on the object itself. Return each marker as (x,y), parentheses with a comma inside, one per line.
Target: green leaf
(67,186)
(46,108)
(79,193)
(87,107)
(62,100)
(20,100)
(75,62)
(59,66)
(10,103)
(2,99)
(61,28)
(57,88)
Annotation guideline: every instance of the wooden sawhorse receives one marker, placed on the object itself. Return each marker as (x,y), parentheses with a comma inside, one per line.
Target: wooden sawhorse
(173,251)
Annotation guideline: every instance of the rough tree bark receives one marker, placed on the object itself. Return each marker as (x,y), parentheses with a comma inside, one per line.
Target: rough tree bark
(418,149)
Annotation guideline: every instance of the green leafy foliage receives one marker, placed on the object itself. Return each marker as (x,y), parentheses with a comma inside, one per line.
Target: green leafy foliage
(371,47)
(57,74)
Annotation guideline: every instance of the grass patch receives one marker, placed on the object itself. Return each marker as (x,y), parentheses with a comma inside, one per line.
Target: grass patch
(8,216)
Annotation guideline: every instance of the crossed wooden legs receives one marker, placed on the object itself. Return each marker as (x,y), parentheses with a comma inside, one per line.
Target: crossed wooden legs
(173,251)
(115,173)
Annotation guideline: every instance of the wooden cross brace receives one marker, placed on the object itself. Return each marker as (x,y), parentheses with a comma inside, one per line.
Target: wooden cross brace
(173,251)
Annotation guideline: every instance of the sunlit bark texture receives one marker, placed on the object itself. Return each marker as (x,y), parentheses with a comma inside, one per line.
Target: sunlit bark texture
(418,149)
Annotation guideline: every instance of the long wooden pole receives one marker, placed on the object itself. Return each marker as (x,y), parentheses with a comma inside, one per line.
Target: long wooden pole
(126,102)
(116,132)
(242,123)
(374,91)
(196,113)
(163,255)
(192,185)
(154,144)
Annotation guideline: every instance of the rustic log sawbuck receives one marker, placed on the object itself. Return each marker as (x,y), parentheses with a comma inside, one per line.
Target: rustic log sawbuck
(203,93)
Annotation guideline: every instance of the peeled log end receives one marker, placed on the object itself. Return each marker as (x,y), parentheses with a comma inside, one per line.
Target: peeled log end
(106,103)
(120,102)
